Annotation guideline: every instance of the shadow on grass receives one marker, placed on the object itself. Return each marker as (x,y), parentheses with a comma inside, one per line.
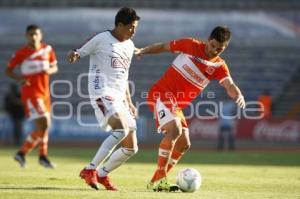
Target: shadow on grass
(191,157)
(43,188)
(200,157)
(74,189)
(228,158)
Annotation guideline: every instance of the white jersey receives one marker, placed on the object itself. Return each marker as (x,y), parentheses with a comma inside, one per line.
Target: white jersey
(109,64)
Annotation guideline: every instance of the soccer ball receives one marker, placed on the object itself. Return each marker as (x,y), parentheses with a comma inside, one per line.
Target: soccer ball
(188,180)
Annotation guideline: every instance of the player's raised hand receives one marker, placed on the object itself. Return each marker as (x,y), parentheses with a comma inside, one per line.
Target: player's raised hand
(73,56)
(138,52)
(240,101)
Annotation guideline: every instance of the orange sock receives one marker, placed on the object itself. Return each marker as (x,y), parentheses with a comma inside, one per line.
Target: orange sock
(175,157)
(31,141)
(165,148)
(43,144)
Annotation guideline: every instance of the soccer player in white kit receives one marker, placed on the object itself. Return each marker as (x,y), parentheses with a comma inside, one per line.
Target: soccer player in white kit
(110,57)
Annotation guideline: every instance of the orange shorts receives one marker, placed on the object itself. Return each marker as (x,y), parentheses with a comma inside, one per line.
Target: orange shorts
(165,110)
(36,107)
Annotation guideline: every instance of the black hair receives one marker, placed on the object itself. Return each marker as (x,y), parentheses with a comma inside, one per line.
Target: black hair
(32,27)
(221,34)
(126,16)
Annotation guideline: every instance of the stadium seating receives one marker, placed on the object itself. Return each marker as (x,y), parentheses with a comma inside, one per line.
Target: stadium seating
(158,4)
(256,63)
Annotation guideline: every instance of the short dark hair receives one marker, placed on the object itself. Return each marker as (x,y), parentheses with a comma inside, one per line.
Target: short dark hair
(126,16)
(32,27)
(221,34)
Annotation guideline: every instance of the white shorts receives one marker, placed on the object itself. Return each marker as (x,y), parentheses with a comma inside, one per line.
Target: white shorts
(107,106)
(37,107)
(163,114)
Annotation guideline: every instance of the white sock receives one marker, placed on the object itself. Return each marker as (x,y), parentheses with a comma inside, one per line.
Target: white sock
(116,159)
(106,148)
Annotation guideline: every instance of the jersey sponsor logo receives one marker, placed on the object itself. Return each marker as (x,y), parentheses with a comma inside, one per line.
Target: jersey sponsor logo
(118,62)
(210,70)
(161,114)
(30,67)
(36,62)
(187,68)
(190,71)
(96,80)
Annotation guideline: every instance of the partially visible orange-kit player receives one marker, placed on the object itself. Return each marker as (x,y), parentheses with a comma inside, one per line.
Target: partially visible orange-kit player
(37,61)
(197,64)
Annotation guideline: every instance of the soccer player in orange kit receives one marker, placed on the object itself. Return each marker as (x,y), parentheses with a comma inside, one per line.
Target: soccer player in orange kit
(197,64)
(37,62)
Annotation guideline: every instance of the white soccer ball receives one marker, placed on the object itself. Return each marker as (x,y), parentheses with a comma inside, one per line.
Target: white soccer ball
(188,180)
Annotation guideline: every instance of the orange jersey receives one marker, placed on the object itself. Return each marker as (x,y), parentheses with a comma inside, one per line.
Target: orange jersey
(33,64)
(266,101)
(188,75)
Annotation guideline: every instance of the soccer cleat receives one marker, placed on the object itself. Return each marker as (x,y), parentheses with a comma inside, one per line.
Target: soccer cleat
(173,188)
(105,181)
(45,162)
(164,185)
(20,158)
(90,177)
(159,174)
(150,186)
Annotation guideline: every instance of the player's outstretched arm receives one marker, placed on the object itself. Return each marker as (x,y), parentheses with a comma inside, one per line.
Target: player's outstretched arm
(73,56)
(234,92)
(152,49)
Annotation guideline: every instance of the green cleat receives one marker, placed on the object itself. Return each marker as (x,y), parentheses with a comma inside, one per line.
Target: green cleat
(164,185)
(150,186)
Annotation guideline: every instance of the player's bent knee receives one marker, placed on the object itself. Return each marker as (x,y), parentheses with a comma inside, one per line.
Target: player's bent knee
(130,151)
(176,132)
(42,127)
(135,150)
(178,127)
(120,134)
(187,147)
(173,129)
(126,131)
(117,122)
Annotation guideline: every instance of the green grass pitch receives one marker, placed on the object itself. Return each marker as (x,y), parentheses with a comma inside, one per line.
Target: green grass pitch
(225,175)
